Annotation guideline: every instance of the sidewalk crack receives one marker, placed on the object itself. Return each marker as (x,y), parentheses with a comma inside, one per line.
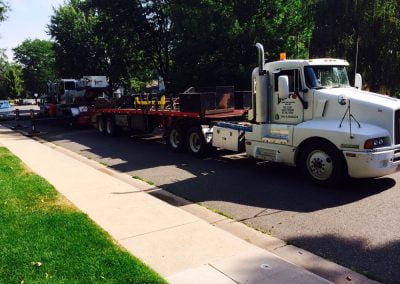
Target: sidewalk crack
(259,215)
(223,273)
(156,231)
(282,246)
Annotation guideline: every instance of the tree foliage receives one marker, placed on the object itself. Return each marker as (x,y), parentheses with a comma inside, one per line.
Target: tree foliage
(37,59)
(374,25)
(78,49)
(10,78)
(3,9)
(214,40)
(92,39)
(204,42)
(12,81)
(211,42)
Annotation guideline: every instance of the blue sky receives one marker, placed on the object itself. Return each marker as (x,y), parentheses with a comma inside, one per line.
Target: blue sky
(27,19)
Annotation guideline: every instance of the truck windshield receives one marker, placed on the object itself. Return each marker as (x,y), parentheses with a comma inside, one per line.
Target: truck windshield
(318,77)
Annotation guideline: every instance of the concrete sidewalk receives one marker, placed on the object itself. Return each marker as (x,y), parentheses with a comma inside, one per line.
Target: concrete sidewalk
(180,246)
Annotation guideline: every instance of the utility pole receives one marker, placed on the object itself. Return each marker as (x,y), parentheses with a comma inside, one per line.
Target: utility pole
(355,69)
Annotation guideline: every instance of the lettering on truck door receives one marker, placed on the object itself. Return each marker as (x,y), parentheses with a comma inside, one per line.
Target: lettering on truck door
(290,110)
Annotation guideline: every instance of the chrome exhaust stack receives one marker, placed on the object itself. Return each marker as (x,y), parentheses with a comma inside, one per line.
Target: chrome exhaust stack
(261,59)
(259,111)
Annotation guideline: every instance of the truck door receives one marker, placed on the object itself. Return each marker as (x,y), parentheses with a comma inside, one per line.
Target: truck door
(290,110)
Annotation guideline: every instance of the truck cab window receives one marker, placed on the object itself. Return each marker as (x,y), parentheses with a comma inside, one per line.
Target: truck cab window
(294,80)
(311,78)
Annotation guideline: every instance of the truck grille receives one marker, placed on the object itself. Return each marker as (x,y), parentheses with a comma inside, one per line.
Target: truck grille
(397,127)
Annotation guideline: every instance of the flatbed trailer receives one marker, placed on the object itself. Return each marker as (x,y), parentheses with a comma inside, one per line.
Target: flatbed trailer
(182,130)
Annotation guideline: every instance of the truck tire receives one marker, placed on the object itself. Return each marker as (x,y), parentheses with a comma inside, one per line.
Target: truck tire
(196,142)
(322,164)
(111,128)
(176,139)
(101,124)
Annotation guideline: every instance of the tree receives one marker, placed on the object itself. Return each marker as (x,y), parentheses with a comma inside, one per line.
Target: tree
(121,29)
(205,42)
(37,60)
(157,36)
(12,81)
(374,26)
(10,78)
(214,39)
(91,41)
(3,70)
(78,48)
(3,9)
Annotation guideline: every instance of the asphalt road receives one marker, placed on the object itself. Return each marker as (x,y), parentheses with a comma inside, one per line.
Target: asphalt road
(357,225)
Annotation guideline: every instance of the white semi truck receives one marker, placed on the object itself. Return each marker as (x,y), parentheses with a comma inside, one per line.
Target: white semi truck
(303,113)
(306,114)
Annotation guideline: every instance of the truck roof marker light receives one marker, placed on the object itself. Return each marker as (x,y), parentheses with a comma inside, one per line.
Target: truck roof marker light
(282,56)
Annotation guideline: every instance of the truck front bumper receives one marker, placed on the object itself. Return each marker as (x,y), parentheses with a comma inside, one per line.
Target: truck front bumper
(372,164)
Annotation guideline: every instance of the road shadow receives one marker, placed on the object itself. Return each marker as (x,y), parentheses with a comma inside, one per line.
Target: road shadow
(381,263)
(221,177)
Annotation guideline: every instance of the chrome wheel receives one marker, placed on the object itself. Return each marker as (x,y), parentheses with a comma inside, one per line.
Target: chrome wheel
(319,165)
(175,138)
(195,142)
(109,127)
(100,125)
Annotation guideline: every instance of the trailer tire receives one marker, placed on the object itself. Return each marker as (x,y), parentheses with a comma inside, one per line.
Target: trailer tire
(197,144)
(101,125)
(176,139)
(111,127)
(322,164)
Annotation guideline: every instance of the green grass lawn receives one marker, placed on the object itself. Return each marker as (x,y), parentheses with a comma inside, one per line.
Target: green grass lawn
(45,239)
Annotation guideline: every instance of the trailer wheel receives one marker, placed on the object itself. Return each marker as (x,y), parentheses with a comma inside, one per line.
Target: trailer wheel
(101,125)
(197,144)
(111,128)
(322,164)
(176,139)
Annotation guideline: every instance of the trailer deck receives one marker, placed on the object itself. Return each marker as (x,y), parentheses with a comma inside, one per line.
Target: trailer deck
(168,113)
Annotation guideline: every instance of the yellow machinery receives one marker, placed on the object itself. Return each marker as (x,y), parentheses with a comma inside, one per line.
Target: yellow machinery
(150,103)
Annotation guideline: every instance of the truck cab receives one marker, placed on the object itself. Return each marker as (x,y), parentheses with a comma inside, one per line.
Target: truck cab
(306,114)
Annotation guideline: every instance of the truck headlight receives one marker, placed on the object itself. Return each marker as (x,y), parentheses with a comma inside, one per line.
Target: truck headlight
(376,142)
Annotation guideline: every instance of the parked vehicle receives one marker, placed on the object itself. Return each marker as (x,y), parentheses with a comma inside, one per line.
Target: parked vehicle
(70,98)
(6,109)
(47,104)
(302,113)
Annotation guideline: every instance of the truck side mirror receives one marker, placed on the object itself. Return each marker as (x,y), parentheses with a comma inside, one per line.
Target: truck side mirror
(358,81)
(283,87)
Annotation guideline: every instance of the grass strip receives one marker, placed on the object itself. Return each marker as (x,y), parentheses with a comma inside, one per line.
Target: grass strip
(45,239)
